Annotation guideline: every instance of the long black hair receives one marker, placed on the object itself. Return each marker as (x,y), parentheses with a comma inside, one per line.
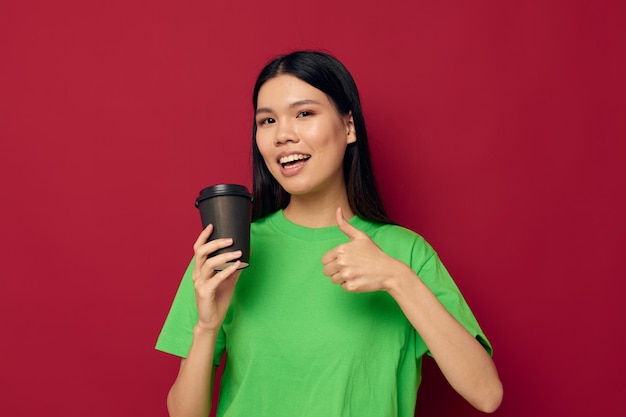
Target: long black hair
(330,76)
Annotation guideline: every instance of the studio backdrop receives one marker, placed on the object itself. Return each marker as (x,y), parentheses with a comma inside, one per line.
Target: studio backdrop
(497,132)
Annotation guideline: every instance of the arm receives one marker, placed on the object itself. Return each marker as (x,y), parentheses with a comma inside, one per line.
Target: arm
(361,265)
(190,395)
(462,359)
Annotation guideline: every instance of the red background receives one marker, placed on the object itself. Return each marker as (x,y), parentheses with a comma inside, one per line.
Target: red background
(498,132)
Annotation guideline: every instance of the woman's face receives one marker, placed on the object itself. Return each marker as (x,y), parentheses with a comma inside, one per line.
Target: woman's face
(301,136)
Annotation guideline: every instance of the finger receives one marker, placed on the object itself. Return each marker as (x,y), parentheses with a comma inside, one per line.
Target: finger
(339,273)
(329,256)
(349,286)
(354,285)
(349,230)
(338,278)
(210,286)
(204,267)
(217,260)
(203,237)
(225,273)
(331,269)
(212,246)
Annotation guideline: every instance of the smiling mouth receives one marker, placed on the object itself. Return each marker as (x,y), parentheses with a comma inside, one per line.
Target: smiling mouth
(287,161)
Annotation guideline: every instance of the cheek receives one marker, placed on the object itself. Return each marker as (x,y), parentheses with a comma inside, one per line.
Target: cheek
(263,150)
(261,143)
(316,136)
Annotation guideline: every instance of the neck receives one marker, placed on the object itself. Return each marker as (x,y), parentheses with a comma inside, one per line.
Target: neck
(313,211)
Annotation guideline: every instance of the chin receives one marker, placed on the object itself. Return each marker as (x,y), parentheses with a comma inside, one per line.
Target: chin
(297,189)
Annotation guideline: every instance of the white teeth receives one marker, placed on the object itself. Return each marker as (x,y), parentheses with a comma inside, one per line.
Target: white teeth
(294,157)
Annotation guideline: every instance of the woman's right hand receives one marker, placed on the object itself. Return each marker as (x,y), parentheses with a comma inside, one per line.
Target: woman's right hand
(214,289)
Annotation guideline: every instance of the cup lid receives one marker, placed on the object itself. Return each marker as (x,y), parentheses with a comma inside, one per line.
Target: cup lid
(223,189)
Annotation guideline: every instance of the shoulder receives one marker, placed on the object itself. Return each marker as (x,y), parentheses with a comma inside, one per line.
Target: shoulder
(262,223)
(390,232)
(400,242)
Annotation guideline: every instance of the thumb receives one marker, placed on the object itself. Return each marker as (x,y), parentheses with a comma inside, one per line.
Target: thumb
(349,230)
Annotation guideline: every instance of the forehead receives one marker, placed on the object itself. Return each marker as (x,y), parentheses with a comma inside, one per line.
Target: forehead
(285,89)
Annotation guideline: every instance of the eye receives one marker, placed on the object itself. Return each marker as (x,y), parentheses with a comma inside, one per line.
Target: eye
(266,121)
(304,113)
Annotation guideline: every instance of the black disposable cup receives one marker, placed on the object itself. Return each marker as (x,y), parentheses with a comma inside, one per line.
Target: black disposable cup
(228,207)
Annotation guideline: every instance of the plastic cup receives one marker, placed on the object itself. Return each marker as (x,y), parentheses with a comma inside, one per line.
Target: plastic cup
(229,208)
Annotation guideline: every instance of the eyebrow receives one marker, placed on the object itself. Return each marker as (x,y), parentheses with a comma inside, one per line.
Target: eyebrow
(291,106)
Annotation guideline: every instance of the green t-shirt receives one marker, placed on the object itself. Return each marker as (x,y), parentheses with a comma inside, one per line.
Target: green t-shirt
(300,346)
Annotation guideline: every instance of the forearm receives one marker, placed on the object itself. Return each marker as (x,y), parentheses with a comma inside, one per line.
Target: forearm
(462,359)
(190,396)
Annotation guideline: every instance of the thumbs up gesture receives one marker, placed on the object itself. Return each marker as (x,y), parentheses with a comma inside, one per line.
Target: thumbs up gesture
(359,265)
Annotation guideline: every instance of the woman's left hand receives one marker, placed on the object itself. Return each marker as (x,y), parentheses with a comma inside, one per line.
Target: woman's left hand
(359,265)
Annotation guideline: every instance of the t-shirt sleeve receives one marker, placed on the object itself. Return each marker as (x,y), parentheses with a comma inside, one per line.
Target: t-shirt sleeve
(177,332)
(434,274)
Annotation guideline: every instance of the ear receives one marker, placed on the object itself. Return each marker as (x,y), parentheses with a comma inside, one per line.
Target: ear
(350,128)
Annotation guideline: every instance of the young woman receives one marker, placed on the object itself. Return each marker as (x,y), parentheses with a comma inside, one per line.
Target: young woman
(338,305)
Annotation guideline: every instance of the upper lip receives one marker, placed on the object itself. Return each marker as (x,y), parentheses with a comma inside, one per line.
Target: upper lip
(284,155)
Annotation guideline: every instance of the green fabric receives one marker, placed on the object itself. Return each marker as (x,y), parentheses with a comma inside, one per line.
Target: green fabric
(299,345)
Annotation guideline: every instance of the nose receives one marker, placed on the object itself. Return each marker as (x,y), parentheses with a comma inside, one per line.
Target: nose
(285,133)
